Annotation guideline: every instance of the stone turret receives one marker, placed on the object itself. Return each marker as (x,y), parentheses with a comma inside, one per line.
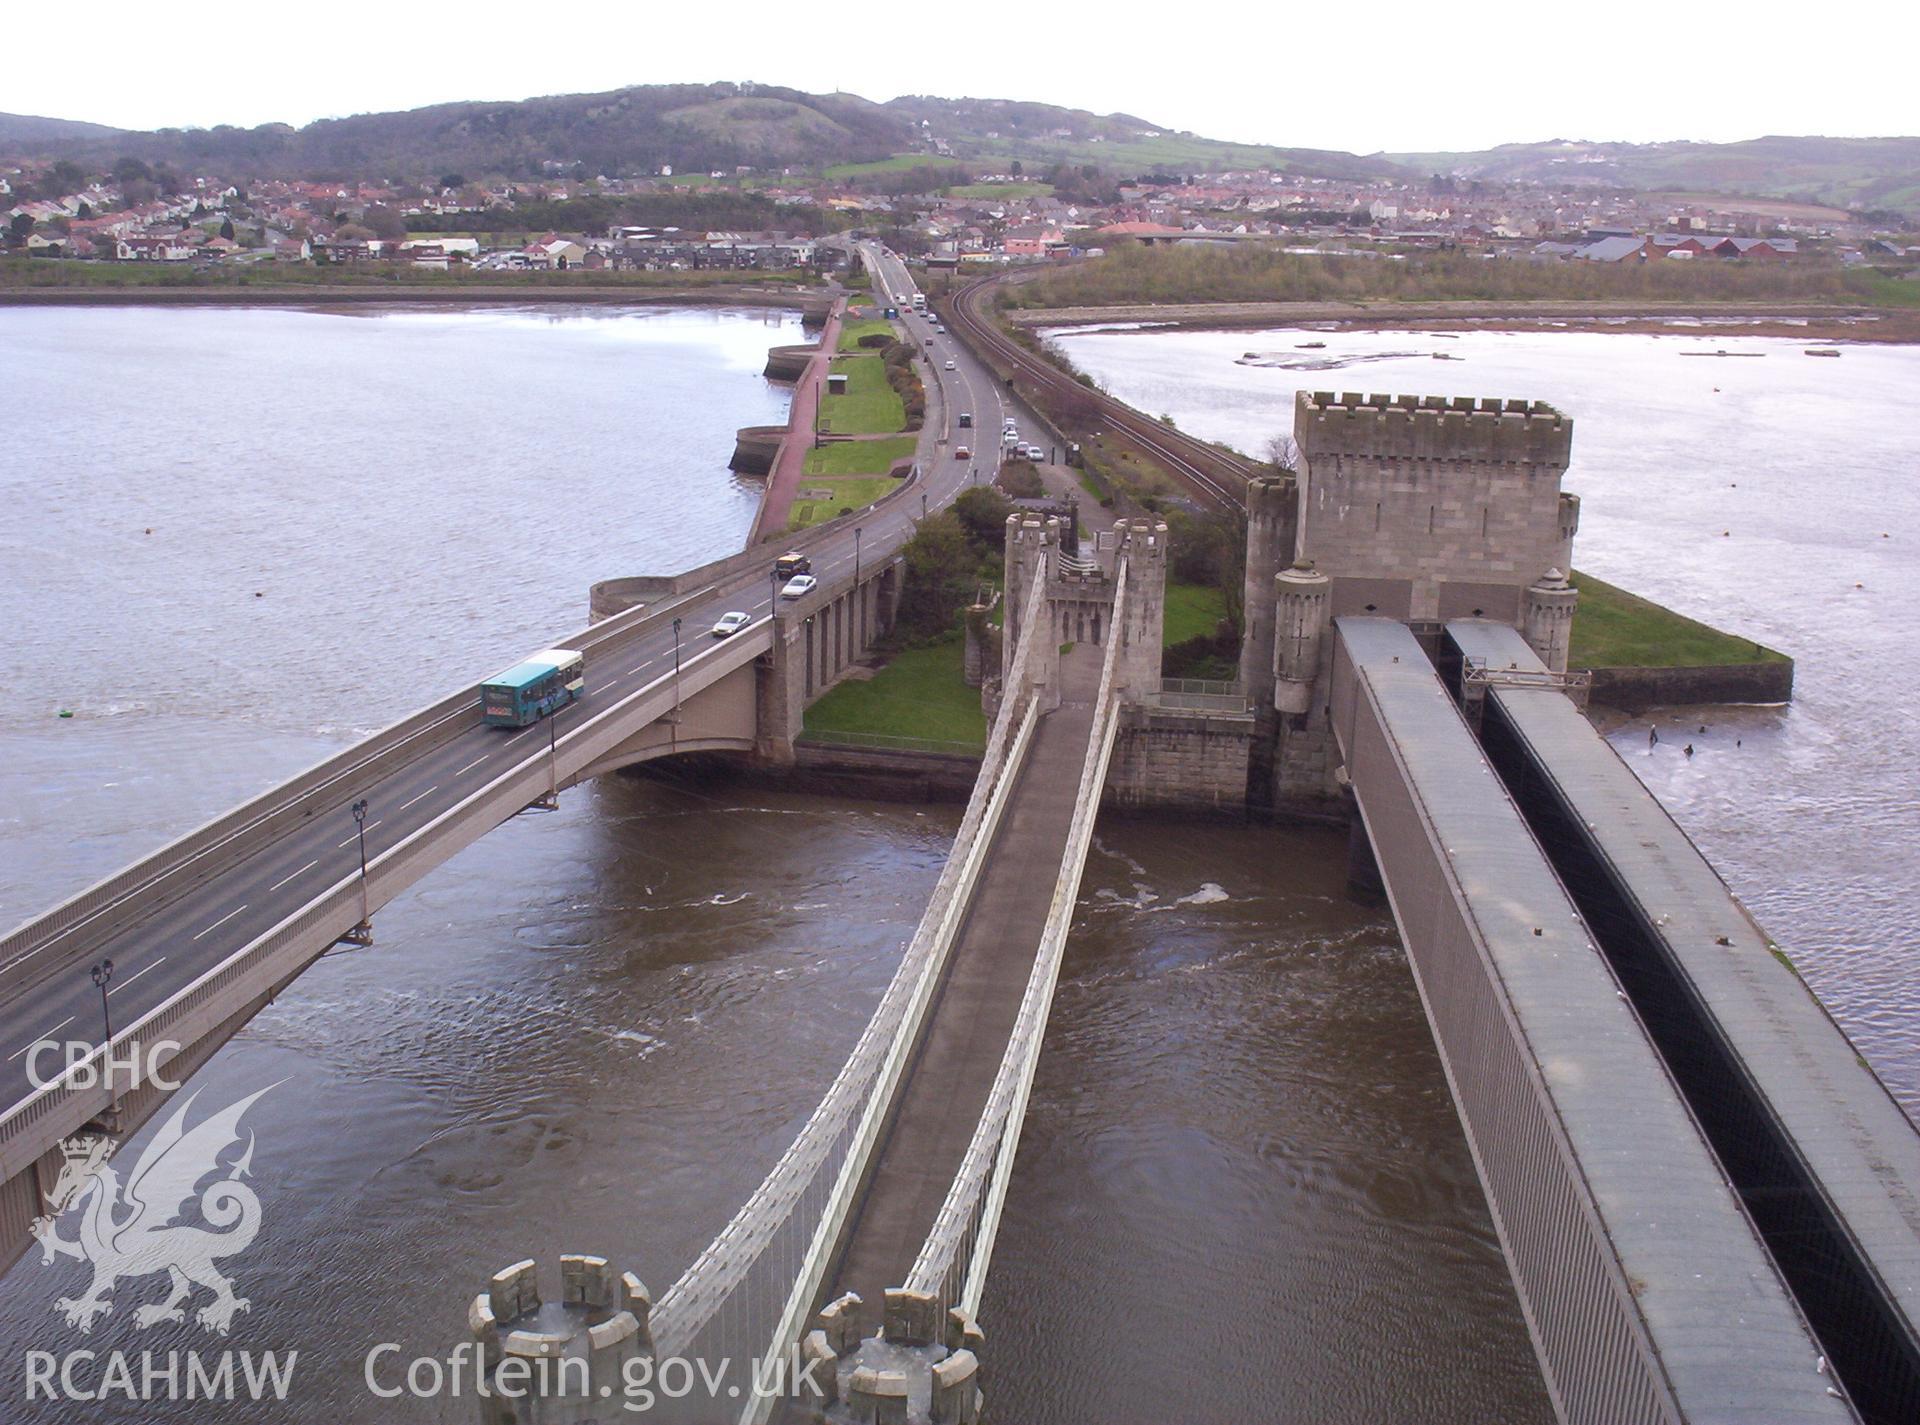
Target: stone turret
(1030,546)
(1138,674)
(558,1362)
(1549,619)
(1300,599)
(1273,513)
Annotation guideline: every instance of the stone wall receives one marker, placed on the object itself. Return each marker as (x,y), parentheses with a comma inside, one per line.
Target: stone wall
(1429,508)
(1188,761)
(1637,689)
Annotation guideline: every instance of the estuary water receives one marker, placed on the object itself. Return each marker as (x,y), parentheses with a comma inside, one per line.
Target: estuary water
(1766,492)
(1242,1194)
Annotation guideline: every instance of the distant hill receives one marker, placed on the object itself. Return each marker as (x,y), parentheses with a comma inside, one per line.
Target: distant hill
(692,128)
(1858,174)
(18,129)
(1045,133)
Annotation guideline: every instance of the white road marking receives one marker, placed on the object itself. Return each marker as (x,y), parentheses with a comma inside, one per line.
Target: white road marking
(427,793)
(356,836)
(136,975)
(284,879)
(474,763)
(221,921)
(40,1038)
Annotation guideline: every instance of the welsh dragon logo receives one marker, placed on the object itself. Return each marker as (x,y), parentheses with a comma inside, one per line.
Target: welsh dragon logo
(133,1230)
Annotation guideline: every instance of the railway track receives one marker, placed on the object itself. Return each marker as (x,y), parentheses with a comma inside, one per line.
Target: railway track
(1216,477)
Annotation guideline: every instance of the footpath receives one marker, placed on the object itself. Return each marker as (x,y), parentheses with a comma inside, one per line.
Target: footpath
(784,480)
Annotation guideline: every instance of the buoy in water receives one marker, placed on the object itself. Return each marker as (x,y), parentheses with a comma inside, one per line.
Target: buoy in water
(66,712)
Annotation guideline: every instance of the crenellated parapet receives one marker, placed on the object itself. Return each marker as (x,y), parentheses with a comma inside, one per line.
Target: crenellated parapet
(1432,428)
(557,1362)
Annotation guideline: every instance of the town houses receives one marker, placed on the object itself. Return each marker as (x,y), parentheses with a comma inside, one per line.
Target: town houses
(226,219)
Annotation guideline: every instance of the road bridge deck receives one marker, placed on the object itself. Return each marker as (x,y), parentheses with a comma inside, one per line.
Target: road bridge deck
(1824,1159)
(1645,1290)
(974,1014)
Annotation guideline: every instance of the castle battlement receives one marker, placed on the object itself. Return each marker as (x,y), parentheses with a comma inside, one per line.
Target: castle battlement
(1381,427)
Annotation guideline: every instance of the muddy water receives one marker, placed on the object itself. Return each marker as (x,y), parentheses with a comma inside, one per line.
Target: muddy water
(1243,1193)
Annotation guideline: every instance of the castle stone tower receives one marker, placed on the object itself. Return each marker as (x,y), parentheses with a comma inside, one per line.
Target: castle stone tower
(1137,674)
(1424,508)
(1273,518)
(557,1356)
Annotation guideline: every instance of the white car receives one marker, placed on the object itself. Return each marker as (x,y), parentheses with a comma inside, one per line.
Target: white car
(731,623)
(799,586)
(1036,454)
(950,366)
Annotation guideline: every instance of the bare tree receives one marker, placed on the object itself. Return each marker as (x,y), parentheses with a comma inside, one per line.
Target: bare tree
(1283,453)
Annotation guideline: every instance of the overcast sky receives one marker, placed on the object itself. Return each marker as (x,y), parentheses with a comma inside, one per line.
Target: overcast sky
(1365,77)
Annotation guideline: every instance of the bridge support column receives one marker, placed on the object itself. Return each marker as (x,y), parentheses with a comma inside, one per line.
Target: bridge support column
(780,689)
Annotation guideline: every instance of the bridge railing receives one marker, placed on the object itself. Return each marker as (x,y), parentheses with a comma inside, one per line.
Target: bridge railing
(52,941)
(750,1291)
(264,965)
(953,1261)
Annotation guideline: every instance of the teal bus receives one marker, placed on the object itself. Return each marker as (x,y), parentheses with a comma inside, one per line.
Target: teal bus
(531,689)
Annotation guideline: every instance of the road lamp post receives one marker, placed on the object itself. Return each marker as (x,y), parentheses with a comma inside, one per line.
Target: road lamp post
(674,725)
(365,927)
(923,504)
(102,975)
(856,555)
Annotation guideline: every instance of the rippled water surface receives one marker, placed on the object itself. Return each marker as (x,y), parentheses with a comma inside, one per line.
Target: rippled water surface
(1773,495)
(1242,1193)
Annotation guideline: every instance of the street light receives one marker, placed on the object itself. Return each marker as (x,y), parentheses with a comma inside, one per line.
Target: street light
(923,504)
(365,926)
(102,974)
(673,732)
(856,554)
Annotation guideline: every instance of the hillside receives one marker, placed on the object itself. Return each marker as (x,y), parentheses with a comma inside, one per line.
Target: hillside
(1860,174)
(1006,129)
(692,128)
(31,129)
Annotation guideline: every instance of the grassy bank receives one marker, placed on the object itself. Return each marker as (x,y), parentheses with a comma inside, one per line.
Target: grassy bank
(851,332)
(871,405)
(836,497)
(859,457)
(1192,611)
(1249,272)
(1615,629)
(920,693)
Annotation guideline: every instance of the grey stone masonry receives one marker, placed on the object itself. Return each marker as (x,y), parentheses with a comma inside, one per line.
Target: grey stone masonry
(557,1362)
(1432,508)
(1273,529)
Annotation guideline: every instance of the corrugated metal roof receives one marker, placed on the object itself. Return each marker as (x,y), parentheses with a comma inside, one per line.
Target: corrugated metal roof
(1729,1339)
(1848,1130)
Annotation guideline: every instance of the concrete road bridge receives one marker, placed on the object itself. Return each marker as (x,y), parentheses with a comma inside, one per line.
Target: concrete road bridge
(1709,1206)
(207,930)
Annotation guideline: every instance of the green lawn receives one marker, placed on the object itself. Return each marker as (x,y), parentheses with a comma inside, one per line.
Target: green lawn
(921,693)
(848,494)
(851,332)
(871,405)
(1193,611)
(1615,629)
(859,457)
